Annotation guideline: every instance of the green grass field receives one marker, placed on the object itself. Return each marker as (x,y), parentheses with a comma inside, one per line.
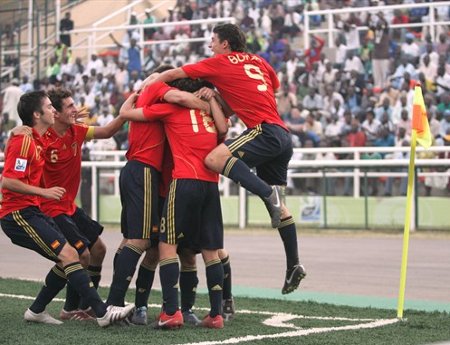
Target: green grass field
(257,321)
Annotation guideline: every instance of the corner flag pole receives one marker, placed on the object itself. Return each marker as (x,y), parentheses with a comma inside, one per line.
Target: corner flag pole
(409,200)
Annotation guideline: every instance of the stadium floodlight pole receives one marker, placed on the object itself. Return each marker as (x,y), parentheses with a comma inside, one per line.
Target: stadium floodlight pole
(422,134)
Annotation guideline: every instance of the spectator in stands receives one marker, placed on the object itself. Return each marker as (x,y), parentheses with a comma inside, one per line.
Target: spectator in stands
(353,63)
(410,48)
(133,54)
(149,19)
(445,124)
(442,47)
(11,96)
(341,53)
(380,56)
(415,16)
(312,54)
(247,22)
(328,100)
(333,129)
(384,108)
(351,36)
(65,26)
(313,128)
(398,77)
(26,86)
(292,23)
(94,64)
(313,100)
(329,75)
(352,100)
(370,127)
(365,53)
(442,81)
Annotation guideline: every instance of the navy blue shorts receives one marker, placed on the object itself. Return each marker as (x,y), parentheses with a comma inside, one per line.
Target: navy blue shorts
(266,147)
(30,228)
(192,216)
(80,230)
(139,197)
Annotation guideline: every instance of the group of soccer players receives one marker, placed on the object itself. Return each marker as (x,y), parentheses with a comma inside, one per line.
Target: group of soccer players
(169,193)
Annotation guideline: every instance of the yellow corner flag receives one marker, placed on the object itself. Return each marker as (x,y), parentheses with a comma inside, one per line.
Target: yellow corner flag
(420,119)
(422,134)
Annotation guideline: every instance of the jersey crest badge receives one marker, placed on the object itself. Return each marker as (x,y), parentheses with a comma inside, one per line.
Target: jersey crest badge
(21,164)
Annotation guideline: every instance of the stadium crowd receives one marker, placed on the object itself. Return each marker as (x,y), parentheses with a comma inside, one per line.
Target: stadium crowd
(358,93)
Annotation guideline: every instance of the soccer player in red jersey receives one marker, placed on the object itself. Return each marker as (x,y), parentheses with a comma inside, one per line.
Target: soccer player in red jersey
(192,211)
(63,168)
(26,226)
(248,83)
(139,183)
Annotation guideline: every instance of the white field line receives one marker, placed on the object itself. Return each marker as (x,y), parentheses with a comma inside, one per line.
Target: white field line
(275,320)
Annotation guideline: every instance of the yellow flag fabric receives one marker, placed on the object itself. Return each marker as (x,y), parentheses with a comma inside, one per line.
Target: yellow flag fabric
(420,120)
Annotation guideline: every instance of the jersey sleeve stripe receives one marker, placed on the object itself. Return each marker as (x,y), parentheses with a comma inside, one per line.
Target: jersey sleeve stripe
(25,146)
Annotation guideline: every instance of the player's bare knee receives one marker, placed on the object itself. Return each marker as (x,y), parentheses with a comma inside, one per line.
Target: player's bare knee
(222,254)
(187,258)
(285,213)
(210,255)
(68,255)
(142,244)
(98,252)
(85,257)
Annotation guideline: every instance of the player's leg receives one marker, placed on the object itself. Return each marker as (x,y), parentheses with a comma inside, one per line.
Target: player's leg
(77,240)
(211,240)
(92,231)
(31,229)
(175,223)
(275,172)
(28,228)
(78,277)
(226,159)
(144,282)
(188,283)
(235,157)
(139,191)
(228,309)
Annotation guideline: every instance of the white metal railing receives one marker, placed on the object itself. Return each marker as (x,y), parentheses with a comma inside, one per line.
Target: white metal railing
(92,39)
(330,29)
(356,163)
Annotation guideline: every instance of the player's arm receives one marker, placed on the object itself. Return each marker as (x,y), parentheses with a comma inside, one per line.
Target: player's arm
(129,112)
(166,76)
(220,120)
(207,93)
(20,187)
(186,99)
(105,132)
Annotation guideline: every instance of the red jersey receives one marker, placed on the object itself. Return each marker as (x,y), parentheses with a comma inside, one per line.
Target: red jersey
(23,161)
(166,172)
(63,167)
(146,139)
(246,82)
(191,134)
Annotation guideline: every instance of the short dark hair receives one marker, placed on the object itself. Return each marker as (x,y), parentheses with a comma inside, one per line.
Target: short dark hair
(162,68)
(233,34)
(190,85)
(57,96)
(28,104)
